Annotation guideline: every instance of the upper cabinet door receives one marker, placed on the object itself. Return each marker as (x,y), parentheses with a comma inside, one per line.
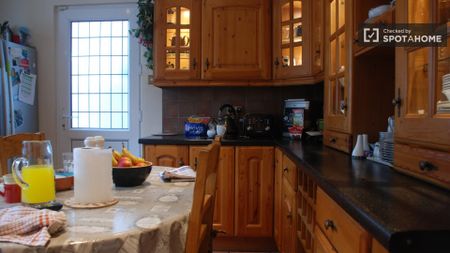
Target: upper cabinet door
(236,40)
(177,39)
(337,76)
(423,79)
(297,38)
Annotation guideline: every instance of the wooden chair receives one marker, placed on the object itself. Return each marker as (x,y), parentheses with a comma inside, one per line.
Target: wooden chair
(11,146)
(200,231)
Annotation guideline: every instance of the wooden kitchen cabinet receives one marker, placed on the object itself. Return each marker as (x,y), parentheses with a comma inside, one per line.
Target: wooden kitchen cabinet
(235,40)
(289,219)
(254,186)
(278,199)
(167,155)
(177,40)
(223,218)
(359,82)
(297,41)
(422,122)
(341,231)
(306,211)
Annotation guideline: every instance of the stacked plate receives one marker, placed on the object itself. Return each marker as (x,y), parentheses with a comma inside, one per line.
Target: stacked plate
(387,147)
(444,106)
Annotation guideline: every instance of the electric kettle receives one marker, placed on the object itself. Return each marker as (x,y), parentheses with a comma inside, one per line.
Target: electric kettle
(228,115)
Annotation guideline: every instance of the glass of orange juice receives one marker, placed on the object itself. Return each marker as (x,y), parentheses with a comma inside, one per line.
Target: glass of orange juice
(34,173)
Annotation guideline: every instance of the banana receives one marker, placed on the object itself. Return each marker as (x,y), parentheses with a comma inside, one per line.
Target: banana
(116,154)
(134,159)
(114,161)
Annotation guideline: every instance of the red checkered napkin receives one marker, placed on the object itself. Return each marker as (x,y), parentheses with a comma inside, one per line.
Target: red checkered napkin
(29,226)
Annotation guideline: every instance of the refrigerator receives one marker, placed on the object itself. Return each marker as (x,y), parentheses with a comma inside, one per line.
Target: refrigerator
(18,90)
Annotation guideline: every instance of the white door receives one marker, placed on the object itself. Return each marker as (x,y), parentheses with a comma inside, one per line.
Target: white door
(98,70)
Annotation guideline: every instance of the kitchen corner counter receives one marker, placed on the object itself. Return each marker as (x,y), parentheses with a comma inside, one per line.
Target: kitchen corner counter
(401,212)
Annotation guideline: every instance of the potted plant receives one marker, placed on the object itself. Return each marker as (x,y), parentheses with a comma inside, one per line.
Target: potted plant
(144,32)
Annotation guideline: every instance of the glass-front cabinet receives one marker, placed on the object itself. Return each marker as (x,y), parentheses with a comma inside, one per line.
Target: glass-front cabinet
(177,39)
(297,40)
(423,79)
(337,83)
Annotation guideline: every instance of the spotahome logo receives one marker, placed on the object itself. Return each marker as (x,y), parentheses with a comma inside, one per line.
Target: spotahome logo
(404,35)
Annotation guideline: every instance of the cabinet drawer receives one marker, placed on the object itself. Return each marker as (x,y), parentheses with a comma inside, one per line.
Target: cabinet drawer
(338,141)
(344,233)
(290,172)
(430,165)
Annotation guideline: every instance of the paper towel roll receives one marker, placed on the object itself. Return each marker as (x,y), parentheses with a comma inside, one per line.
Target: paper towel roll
(92,175)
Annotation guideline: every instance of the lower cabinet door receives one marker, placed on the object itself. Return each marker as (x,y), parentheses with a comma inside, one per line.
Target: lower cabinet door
(224,207)
(167,155)
(254,197)
(288,214)
(278,198)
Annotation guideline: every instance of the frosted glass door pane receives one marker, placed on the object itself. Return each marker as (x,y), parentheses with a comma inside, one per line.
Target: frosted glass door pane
(171,38)
(170,60)
(341,95)
(286,57)
(297,9)
(417,93)
(298,58)
(185,38)
(184,60)
(342,53)
(285,34)
(443,79)
(286,12)
(172,16)
(298,32)
(341,9)
(333,56)
(333,16)
(185,16)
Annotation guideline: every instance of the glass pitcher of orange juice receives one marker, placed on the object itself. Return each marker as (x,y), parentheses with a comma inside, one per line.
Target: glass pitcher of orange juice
(34,173)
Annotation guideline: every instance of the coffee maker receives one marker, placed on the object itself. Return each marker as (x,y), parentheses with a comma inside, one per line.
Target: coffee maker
(227,114)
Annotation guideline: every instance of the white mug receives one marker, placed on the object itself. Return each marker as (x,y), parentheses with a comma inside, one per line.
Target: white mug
(221,129)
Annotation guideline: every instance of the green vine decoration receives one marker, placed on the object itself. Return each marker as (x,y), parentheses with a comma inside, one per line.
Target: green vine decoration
(144,32)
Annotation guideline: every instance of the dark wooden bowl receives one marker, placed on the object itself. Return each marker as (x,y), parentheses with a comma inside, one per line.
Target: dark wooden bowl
(131,176)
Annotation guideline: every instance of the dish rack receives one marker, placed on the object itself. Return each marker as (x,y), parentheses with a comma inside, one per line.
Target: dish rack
(387,147)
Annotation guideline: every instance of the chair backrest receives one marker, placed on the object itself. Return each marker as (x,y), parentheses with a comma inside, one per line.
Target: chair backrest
(11,146)
(199,234)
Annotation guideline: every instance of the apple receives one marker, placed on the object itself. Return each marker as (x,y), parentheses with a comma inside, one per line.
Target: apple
(141,164)
(125,162)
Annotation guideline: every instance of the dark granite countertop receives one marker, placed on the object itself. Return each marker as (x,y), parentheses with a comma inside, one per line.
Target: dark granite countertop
(403,213)
(181,140)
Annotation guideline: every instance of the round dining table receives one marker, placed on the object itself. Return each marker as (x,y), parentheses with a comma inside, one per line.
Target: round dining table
(151,217)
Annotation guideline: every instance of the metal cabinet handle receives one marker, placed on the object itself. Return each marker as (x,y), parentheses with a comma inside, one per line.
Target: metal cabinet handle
(333,140)
(286,170)
(276,62)
(329,224)
(207,63)
(180,162)
(427,166)
(397,102)
(195,163)
(194,63)
(343,105)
